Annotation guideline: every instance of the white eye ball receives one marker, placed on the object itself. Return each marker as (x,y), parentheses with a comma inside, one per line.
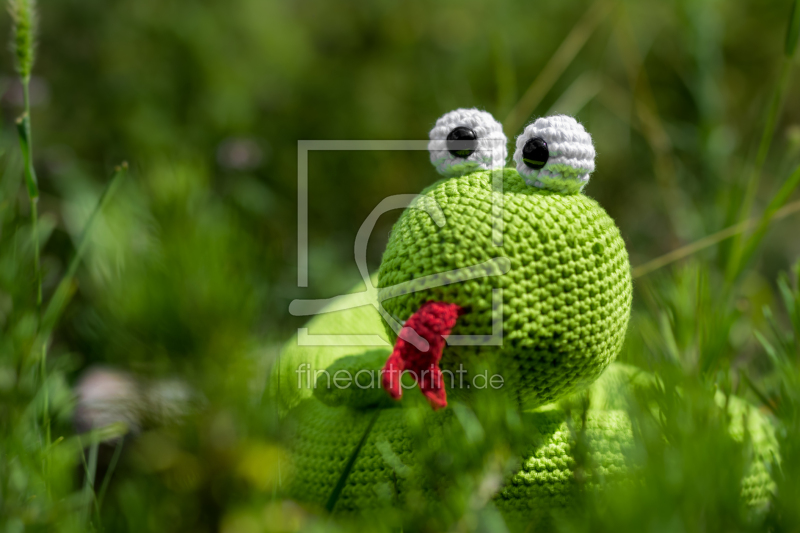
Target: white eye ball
(555,153)
(466,140)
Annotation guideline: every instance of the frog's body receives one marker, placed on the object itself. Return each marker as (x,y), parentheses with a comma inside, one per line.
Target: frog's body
(386,473)
(383,476)
(522,249)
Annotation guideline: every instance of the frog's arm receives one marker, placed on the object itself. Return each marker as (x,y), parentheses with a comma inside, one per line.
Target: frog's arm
(305,357)
(354,381)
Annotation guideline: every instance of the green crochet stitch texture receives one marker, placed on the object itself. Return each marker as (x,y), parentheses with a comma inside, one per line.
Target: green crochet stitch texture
(566,297)
(386,473)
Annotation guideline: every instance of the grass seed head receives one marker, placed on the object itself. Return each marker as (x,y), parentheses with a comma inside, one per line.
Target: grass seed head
(23,44)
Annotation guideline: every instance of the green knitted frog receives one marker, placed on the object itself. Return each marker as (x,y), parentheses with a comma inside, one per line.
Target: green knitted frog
(497,278)
(547,264)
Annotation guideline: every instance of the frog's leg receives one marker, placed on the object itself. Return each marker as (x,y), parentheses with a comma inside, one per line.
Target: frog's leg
(325,471)
(547,478)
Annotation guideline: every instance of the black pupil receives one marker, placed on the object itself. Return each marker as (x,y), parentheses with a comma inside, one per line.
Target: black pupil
(461,142)
(534,153)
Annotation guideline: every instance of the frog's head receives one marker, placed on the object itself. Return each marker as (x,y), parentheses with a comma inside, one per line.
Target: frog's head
(537,271)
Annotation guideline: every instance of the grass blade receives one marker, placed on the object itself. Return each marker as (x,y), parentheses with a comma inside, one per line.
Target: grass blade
(776,104)
(789,300)
(777,202)
(711,240)
(651,125)
(110,472)
(90,469)
(23,15)
(61,296)
(554,68)
(24,132)
(337,490)
(56,304)
(793,30)
(580,93)
(769,404)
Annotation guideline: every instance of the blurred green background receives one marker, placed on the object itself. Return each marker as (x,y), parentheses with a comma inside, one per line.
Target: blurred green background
(190,269)
(169,86)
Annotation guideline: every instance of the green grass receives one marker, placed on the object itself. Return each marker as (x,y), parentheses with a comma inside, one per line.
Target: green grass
(181,266)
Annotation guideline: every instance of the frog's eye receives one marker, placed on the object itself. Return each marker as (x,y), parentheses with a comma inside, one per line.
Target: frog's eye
(466,140)
(555,153)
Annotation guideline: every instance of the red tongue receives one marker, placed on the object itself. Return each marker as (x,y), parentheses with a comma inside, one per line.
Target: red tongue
(433,322)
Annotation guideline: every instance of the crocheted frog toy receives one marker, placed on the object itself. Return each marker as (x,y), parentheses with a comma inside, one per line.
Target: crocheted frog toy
(507,270)
(542,261)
